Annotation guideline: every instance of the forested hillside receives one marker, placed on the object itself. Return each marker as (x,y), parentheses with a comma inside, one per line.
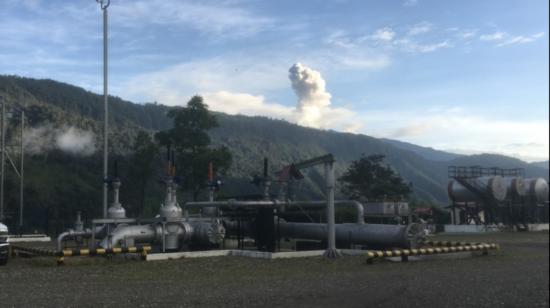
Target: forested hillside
(61,181)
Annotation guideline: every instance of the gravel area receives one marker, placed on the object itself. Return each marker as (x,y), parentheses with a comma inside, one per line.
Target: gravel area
(516,276)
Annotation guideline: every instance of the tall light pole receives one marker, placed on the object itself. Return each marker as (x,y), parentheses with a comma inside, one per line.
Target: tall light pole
(3,149)
(104,5)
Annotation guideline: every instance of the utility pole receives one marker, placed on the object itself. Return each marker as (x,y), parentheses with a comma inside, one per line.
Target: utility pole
(3,149)
(104,5)
(21,172)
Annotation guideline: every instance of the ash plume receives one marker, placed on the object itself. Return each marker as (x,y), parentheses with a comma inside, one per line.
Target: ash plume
(313,108)
(313,99)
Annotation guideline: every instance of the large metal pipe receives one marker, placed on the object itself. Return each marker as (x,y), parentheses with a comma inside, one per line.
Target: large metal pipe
(234,204)
(140,233)
(175,233)
(359,209)
(409,236)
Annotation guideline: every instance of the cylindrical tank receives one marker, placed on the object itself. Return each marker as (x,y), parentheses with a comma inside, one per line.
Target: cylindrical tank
(459,193)
(538,189)
(495,186)
(515,186)
(367,234)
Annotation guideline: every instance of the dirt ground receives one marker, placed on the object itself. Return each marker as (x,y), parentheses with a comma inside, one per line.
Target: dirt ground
(516,276)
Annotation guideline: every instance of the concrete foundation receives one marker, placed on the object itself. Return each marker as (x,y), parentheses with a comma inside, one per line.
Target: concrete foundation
(235,253)
(28,238)
(470,228)
(538,227)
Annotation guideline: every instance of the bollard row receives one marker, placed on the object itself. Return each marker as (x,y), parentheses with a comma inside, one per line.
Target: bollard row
(405,253)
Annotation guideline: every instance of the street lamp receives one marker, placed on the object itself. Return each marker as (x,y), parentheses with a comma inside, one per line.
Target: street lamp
(104,4)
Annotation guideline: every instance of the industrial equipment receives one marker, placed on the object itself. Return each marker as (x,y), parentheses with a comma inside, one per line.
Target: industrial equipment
(4,245)
(263,221)
(496,196)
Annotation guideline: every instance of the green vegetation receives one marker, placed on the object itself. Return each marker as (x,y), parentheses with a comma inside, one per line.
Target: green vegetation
(368,179)
(190,139)
(58,183)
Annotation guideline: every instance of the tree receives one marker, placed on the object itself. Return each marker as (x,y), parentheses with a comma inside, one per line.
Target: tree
(141,168)
(368,178)
(191,142)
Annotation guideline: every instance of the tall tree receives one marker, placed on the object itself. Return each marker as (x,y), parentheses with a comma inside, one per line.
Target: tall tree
(141,168)
(369,178)
(189,137)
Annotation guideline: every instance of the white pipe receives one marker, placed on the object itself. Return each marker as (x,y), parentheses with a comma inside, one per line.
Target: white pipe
(145,233)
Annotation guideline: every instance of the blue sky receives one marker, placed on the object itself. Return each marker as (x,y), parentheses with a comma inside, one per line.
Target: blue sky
(465,76)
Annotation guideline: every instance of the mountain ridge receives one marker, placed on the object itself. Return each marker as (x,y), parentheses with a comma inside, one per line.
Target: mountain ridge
(249,138)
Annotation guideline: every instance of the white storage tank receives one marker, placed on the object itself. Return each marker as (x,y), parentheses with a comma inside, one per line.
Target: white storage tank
(538,189)
(494,185)
(515,186)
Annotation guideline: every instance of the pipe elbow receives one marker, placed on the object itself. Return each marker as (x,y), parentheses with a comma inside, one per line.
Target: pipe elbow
(360,211)
(60,239)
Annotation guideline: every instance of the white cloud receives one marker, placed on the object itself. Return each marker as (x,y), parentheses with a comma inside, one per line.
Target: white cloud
(217,18)
(497,36)
(522,39)
(420,28)
(247,104)
(458,130)
(384,34)
(466,34)
(410,3)
(414,47)
(175,84)
(413,129)
(339,39)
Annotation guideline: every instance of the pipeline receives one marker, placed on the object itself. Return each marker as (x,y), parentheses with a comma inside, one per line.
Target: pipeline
(175,234)
(364,234)
(359,209)
(140,233)
(234,204)
(75,233)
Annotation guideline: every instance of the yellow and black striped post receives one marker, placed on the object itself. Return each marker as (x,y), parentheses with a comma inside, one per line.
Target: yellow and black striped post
(437,248)
(33,250)
(100,251)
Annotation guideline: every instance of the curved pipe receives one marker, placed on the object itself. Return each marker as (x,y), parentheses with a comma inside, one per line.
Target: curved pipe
(145,233)
(73,233)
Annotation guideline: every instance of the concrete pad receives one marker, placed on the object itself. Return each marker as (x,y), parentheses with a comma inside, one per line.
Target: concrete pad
(470,228)
(235,253)
(27,238)
(444,256)
(538,227)
(297,254)
(187,254)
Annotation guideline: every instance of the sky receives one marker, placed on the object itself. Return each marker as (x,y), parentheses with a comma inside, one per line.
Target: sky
(463,76)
